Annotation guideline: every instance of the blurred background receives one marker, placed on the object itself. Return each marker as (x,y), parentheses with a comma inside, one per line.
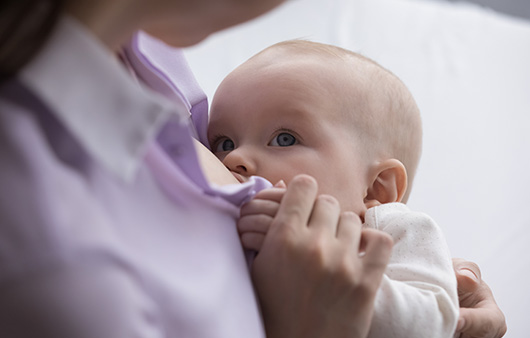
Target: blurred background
(518,8)
(468,66)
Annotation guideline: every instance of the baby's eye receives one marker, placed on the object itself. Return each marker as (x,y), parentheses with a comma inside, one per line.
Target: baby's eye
(225,144)
(283,140)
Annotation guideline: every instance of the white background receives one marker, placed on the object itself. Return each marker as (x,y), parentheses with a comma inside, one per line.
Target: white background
(469,69)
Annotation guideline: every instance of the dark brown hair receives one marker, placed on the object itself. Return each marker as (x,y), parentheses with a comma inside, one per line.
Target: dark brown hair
(25,25)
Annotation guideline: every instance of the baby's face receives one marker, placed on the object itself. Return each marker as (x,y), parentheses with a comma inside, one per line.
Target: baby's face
(281,120)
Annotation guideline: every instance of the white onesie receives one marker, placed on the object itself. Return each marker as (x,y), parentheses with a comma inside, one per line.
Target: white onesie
(418,296)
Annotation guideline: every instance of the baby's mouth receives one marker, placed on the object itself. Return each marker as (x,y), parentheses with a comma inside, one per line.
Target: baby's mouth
(239,177)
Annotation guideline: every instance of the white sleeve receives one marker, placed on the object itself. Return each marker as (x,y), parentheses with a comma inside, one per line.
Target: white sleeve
(418,295)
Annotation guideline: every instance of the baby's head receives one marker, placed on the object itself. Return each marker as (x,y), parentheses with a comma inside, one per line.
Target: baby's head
(304,107)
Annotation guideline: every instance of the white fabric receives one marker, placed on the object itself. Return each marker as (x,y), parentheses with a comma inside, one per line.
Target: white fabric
(469,70)
(417,297)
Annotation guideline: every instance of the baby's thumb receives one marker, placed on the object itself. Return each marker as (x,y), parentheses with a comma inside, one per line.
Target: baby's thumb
(280,184)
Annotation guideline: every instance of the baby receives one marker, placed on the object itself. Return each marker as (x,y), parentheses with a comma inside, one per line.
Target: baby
(304,107)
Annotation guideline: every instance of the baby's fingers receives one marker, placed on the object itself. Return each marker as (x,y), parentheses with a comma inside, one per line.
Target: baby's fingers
(252,240)
(259,223)
(258,206)
(272,194)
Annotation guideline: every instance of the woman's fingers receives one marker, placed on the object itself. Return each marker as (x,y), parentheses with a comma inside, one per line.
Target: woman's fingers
(349,229)
(480,316)
(309,261)
(376,247)
(468,276)
(481,323)
(297,204)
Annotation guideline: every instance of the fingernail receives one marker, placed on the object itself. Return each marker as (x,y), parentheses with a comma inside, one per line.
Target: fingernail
(469,273)
(460,324)
(280,184)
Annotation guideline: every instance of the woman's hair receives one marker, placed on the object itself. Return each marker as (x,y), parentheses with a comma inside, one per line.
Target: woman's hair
(25,25)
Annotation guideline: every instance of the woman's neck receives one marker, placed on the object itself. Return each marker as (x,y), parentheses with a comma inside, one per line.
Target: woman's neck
(112,21)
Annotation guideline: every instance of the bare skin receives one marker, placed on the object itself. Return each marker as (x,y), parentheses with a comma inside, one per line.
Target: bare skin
(312,243)
(480,316)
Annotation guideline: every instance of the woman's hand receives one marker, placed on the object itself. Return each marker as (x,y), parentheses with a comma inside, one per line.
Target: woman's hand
(480,316)
(309,274)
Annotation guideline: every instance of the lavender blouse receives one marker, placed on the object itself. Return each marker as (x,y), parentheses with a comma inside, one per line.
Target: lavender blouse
(108,227)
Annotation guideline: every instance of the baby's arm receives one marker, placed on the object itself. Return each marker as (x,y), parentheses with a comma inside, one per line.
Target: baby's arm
(258,214)
(418,295)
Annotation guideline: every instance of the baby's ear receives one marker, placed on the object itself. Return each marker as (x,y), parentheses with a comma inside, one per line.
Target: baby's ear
(389,183)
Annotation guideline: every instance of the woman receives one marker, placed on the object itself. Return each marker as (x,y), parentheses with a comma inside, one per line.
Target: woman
(110,225)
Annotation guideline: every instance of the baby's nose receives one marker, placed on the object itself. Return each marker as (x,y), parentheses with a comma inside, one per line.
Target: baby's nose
(240,162)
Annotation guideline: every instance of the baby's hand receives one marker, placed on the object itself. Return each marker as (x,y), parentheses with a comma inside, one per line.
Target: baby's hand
(309,277)
(256,216)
